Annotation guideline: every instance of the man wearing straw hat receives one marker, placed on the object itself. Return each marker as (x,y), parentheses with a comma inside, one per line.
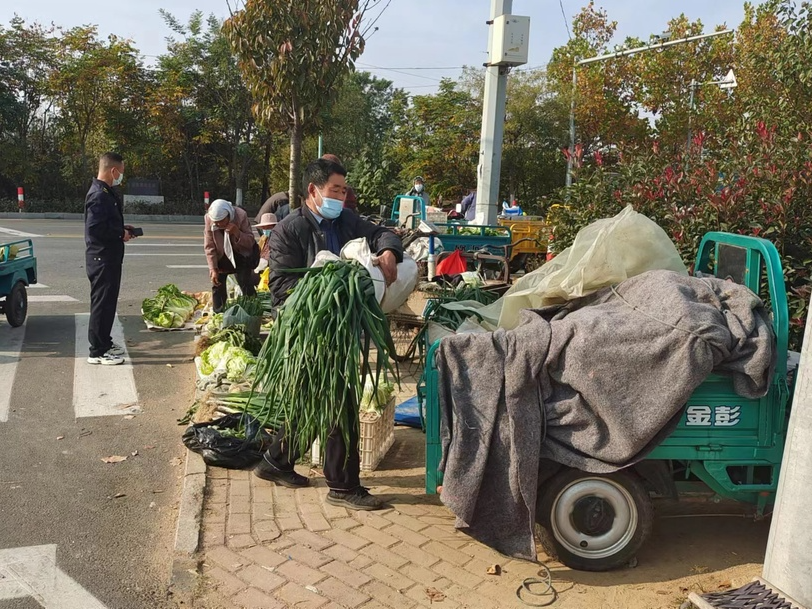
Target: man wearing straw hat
(230,249)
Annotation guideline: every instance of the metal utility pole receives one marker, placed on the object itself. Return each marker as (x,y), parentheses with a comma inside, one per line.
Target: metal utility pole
(493,127)
(787,565)
(649,47)
(728,82)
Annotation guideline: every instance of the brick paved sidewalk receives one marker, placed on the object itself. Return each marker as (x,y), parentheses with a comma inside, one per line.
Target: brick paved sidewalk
(266,546)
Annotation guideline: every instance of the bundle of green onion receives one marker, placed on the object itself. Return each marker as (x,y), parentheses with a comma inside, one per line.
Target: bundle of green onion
(252,305)
(310,369)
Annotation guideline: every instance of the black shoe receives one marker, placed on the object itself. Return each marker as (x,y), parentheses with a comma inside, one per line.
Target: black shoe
(291,479)
(359,499)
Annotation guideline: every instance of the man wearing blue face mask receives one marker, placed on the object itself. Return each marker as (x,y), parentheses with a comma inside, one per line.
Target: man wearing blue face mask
(105,236)
(323,224)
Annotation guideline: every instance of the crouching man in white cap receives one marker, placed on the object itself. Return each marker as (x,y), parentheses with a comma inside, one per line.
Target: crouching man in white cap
(230,249)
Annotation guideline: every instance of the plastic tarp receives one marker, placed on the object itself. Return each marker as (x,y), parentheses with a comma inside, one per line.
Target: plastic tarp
(604,253)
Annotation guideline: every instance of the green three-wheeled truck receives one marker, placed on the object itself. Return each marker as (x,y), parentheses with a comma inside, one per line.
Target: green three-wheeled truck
(18,269)
(724,442)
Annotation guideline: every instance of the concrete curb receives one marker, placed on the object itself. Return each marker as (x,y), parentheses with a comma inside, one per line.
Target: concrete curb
(127,217)
(184,577)
(190,513)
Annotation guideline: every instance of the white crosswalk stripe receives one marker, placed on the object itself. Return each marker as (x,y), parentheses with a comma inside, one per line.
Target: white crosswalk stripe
(11,343)
(97,390)
(51,298)
(16,233)
(102,390)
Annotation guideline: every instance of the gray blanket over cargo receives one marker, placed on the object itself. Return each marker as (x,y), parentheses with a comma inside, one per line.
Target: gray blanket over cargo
(593,385)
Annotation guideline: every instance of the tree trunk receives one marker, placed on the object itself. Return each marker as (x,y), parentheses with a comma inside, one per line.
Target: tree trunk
(296,131)
(266,169)
(243,162)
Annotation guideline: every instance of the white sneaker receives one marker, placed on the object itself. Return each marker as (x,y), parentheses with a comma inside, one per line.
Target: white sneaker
(108,359)
(116,350)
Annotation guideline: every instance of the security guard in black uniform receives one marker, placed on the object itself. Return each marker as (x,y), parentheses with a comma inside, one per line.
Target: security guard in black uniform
(105,235)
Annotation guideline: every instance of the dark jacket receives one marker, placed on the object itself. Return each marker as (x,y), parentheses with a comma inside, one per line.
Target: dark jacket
(297,239)
(272,205)
(282,212)
(104,223)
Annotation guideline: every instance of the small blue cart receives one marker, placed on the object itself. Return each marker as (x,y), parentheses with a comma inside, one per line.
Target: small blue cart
(18,270)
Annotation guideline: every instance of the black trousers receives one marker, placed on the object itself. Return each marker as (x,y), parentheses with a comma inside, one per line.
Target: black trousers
(342,468)
(244,274)
(105,284)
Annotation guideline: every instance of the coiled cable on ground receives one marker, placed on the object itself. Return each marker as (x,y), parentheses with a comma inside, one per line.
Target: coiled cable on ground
(539,587)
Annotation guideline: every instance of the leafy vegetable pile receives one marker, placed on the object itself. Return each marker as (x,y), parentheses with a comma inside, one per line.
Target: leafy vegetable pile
(237,362)
(169,309)
(449,318)
(250,304)
(236,336)
(214,323)
(375,400)
(488,232)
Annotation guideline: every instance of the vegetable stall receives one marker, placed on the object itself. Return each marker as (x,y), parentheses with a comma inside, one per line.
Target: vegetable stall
(330,339)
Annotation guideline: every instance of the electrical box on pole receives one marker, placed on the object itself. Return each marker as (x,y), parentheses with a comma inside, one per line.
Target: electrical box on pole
(511,35)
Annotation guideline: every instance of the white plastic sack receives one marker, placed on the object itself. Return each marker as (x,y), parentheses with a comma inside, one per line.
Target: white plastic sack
(398,292)
(358,249)
(233,287)
(419,248)
(323,257)
(604,253)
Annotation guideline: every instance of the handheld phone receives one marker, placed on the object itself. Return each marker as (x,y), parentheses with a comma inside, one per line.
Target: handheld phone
(136,232)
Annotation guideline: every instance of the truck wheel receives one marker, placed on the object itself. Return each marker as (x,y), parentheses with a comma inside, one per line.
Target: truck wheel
(594,522)
(17,305)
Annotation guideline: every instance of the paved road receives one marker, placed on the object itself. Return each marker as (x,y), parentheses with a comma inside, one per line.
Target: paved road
(111,525)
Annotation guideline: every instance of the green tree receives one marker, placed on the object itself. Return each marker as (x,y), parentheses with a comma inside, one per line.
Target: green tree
(98,91)
(606,112)
(776,65)
(536,129)
(439,139)
(293,55)
(358,128)
(209,115)
(26,63)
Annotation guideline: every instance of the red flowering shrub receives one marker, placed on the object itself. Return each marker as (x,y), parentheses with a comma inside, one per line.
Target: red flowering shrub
(759,185)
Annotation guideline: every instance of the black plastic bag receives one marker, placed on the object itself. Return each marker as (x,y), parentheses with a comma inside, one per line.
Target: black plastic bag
(222,450)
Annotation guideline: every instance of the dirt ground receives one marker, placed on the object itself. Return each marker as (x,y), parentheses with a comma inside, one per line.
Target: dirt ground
(697,545)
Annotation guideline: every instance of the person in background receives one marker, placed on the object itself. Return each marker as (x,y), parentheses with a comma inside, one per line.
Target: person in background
(468,205)
(419,190)
(350,200)
(105,236)
(230,249)
(265,226)
(323,224)
(272,205)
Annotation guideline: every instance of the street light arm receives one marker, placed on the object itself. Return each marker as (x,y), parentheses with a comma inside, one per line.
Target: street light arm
(651,47)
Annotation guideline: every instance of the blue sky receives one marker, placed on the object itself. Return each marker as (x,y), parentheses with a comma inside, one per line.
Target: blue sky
(412,33)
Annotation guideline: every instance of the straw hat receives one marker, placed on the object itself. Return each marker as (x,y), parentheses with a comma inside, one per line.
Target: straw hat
(267,221)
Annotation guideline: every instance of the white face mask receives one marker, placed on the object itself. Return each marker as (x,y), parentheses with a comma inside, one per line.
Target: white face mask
(418,187)
(118,180)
